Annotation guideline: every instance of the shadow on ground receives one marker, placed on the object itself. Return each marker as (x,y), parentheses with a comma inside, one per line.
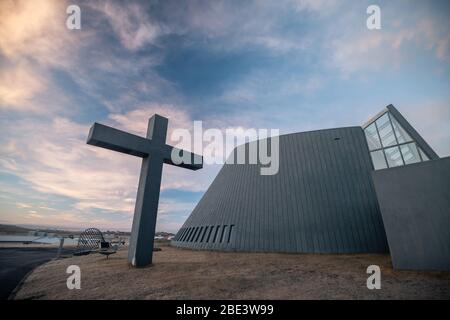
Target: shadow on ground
(15,263)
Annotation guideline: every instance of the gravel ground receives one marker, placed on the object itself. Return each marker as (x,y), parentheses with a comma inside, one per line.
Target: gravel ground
(186,274)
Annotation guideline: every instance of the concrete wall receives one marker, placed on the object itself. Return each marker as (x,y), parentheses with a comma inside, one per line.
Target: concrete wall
(322,200)
(415,206)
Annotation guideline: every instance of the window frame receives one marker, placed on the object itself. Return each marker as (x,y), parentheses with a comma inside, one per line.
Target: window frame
(397,144)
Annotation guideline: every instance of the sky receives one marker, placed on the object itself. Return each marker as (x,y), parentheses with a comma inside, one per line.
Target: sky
(293,65)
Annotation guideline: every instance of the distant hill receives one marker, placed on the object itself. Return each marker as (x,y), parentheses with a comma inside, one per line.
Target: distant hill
(13,229)
(9,228)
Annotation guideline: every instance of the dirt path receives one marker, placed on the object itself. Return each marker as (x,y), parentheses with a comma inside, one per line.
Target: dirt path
(186,274)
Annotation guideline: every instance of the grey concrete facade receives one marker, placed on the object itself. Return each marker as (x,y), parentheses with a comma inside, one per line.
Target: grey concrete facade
(415,206)
(321,201)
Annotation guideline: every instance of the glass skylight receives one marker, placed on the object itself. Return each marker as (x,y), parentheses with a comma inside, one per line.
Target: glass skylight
(390,145)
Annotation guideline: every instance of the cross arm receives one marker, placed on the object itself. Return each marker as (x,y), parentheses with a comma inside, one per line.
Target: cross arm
(117,140)
(121,141)
(195,161)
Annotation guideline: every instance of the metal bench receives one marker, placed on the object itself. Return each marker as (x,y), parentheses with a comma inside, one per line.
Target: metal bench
(92,241)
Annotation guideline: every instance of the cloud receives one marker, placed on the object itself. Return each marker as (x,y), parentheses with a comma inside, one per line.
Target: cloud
(101,184)
(323,6)
(432,120)
(169,206)
(34,215)
(57,160)
(212,24)
(23,205)
(18,86)
(396,44)
(434,34)
(36,30)
(131,23)
(136,120)
(33,41)
(22,25)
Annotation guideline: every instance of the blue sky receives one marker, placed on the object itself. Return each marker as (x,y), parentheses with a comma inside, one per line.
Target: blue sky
(293,65)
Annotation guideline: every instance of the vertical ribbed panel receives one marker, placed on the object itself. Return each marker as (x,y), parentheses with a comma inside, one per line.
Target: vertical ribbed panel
(321,200)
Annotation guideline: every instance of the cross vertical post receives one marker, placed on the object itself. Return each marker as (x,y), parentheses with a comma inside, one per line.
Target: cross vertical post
(140,251)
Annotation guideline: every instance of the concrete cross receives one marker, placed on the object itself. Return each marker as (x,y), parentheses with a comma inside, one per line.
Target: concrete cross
(154,152)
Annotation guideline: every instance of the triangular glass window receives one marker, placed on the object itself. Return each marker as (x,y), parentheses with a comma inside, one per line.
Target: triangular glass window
(390,145)
(410,153)
(372,137)
(423,155)
(385,130)
(402,135)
